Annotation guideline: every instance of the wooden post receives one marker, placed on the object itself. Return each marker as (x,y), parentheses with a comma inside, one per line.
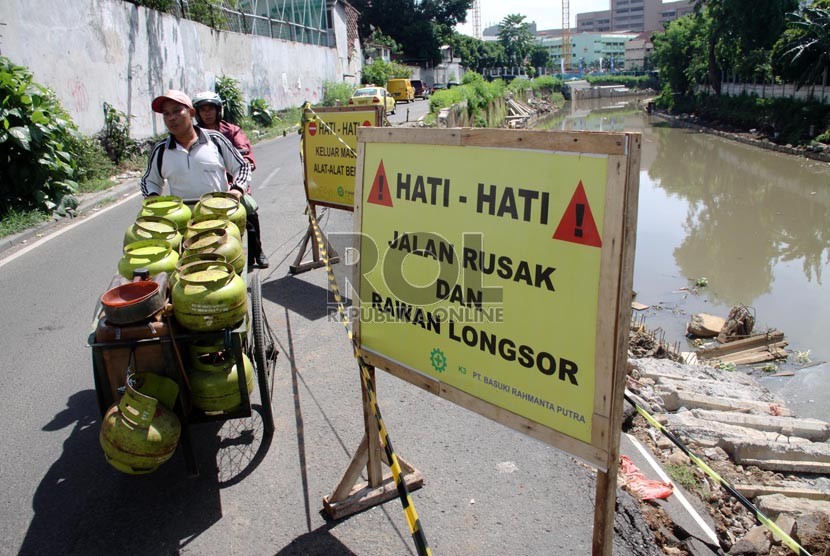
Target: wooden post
(605,507)
(316,262)
(348,497)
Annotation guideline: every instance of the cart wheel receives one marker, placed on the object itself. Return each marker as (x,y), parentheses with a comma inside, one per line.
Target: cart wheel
(260,349)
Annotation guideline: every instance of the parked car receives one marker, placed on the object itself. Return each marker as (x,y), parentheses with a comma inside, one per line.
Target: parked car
(422,90)
(439,87)
(373,95)
(452,84)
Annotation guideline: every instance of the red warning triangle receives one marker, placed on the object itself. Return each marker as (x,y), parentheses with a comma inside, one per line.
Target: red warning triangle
(380,193)
(577,224)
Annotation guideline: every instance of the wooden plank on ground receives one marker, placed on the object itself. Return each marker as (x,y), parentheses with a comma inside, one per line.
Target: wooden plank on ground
(758,340)
(758,355)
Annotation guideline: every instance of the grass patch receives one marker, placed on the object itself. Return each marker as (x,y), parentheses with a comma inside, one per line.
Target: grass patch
(92,186)
(684,476)
(15,221)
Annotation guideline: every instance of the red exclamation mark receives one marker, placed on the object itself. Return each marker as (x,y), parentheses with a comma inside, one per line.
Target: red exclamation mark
(380,188)
(580,215)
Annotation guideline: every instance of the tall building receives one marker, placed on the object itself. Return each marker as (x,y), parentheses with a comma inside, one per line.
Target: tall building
(633,15)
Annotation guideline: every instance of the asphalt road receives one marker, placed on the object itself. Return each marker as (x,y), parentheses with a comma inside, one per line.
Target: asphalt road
(488,490)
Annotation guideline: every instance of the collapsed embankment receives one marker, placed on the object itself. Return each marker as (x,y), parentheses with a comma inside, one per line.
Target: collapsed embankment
(740,430)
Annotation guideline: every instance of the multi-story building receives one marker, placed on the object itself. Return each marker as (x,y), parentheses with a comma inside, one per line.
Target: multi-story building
(633,15)
(675,10)
(638,52)
(602,51)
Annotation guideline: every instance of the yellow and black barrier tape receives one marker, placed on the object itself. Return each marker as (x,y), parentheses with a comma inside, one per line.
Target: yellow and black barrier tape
(412,520)
(762,519)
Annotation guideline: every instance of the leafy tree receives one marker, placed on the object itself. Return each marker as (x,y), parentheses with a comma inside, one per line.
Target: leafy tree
(476,54)
(419,26)
(803,51)
(680,52)
(739,27)
(378,38)
(515,37)
(539,56)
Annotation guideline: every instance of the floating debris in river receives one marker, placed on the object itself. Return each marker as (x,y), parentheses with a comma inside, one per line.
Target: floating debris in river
(739,324)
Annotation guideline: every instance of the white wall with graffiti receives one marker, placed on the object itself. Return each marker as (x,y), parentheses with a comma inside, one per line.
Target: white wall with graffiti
(92,52)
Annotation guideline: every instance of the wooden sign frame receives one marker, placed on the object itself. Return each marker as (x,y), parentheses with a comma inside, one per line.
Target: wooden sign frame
(614,293)
(298,265)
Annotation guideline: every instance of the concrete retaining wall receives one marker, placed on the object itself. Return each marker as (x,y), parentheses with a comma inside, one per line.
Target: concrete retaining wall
(95,51)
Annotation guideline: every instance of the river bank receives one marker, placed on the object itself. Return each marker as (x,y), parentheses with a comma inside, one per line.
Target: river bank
(747,137)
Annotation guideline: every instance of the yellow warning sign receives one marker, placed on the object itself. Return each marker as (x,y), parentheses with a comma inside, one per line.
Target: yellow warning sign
(464,278)
(330,152)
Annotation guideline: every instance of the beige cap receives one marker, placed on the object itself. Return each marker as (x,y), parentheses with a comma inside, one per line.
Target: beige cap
(174,95)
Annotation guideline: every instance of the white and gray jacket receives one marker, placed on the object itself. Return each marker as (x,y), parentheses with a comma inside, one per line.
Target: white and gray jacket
(209,165)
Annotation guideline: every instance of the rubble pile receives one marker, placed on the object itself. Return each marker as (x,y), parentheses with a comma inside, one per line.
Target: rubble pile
(643,342)
(777,460)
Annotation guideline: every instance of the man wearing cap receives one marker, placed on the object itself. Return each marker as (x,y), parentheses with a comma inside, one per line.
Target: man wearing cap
(194,161)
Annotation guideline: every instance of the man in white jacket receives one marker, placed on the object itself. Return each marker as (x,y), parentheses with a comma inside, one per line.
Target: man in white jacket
(194,161)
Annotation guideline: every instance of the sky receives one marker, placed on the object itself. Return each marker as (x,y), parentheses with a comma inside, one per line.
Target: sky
(546,13)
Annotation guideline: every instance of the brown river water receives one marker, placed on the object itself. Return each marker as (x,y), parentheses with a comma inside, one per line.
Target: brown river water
(754,223)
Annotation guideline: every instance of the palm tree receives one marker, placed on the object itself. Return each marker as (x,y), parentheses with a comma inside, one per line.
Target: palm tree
(809,47)
(515,36)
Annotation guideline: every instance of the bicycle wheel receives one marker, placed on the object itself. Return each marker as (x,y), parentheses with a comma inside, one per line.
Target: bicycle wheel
(260,349)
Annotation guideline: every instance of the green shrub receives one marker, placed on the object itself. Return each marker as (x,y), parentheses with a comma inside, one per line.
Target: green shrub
(233,105)
(260,112)
(546,85)
(477,92)
(207,12)
(518,84)
(786,120)
(380,71)
(36,169)
(93,161)
(337,92)
(115,137)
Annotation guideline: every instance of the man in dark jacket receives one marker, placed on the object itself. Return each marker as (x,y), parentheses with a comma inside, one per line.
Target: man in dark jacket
(208,107)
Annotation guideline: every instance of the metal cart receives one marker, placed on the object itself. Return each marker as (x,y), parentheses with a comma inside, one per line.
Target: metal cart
(251,336)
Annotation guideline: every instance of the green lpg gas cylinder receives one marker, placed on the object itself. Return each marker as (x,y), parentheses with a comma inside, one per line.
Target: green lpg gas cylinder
(209,296)
(170,207)
(220,242)
(222,204)
(214,383)
(141,432)
(204,222)
(154,227)
(155,255)
(186,259)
